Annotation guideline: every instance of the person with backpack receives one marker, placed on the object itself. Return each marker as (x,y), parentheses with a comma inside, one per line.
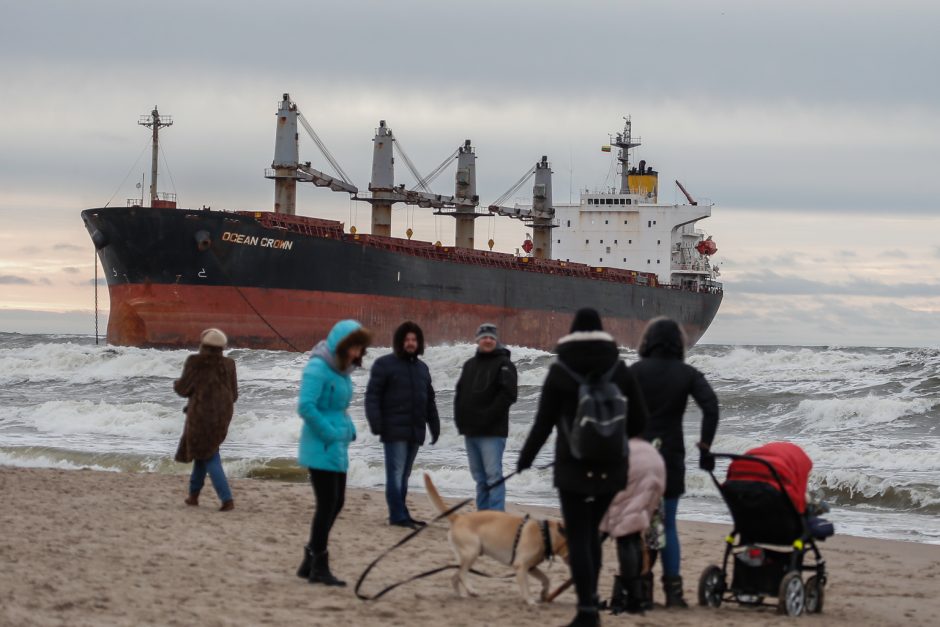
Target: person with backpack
(485,391)
(401,410)
(667,383)
(591,397)
(211,387)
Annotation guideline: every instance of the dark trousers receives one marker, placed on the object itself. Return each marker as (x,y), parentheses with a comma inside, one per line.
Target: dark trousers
(582,515)
(329,488)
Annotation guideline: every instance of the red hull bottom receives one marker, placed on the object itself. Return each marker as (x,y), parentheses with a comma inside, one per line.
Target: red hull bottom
(279,319)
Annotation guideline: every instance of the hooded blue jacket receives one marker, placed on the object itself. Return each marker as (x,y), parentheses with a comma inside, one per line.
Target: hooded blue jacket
(325,393)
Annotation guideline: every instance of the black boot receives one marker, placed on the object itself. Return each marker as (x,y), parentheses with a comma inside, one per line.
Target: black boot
(586,617)
(672,586)
(636,601)
(618,598)
(320,571)
(647,597)
(304,571)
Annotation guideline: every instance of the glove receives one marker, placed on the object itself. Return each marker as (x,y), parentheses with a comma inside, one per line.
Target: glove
(706,461)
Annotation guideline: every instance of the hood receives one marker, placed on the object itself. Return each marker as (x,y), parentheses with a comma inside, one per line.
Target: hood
(398,340)
(588,352)
(340,331)
(662,338)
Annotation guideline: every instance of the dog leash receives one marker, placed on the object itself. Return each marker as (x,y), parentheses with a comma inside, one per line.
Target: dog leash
(414,533)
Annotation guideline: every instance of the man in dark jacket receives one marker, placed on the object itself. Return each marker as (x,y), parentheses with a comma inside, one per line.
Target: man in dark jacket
(485,391)
(585,489)
(400,409)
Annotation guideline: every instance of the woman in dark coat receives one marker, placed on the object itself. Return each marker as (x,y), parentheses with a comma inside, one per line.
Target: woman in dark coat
(585,489)
(667,383)
(210,384)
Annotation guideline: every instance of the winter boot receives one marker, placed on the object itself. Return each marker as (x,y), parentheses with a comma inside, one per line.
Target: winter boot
(227,506)
(192,499)
(320,571)
(586,617)
(647,597)
(672,586)
(304,571)
(618,597)
(636,602)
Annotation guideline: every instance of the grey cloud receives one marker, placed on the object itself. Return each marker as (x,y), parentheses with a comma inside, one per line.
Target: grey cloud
(769,282)
(71,270)
(895,253)
(29,250)
(9,279)
(846,253)
(101,282)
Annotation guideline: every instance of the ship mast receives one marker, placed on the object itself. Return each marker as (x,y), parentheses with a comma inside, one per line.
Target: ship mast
(155,122)
(625,142)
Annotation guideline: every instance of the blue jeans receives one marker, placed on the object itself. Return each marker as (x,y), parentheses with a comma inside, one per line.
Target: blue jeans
(671,552)
(213,466)
(399,458)
(486,466)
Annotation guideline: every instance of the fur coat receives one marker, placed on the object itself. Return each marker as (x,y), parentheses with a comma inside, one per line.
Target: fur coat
(209,382)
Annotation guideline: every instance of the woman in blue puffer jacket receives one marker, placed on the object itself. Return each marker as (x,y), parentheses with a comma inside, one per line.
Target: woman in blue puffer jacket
(325,393)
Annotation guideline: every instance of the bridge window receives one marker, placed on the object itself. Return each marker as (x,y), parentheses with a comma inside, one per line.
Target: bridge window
(648,261)
(569,222)
(649,223)
(559,241)
(615,241)
(624,221)
(605,221)
(629,201)
(587,241)
(602,241)
(608,249)
(658,242)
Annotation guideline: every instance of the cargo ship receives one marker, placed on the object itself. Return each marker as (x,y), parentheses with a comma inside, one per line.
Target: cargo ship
(278,280)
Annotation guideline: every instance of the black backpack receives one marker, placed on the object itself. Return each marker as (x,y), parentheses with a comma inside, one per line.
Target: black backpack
(598,432)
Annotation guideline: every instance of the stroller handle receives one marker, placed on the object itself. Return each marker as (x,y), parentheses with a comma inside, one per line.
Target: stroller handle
(750,458)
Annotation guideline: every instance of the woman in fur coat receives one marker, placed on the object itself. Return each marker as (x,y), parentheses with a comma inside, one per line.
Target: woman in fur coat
(210,384)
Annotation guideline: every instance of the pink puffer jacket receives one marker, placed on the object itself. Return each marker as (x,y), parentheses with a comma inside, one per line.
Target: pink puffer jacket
(632,507)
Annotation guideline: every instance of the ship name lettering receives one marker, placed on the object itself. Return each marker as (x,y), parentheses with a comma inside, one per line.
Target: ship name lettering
(254,240)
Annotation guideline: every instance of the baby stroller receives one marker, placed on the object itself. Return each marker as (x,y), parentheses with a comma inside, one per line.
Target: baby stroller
(765,490)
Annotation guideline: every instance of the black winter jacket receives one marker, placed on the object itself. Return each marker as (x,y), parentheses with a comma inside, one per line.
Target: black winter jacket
(589,353)
(400,403)
(667,382)
(485,391)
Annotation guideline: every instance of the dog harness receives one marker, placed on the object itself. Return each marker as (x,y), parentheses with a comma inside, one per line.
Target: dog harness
(515,542)
(546,539)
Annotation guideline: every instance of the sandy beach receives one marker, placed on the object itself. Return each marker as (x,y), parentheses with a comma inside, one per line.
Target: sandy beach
(101,548)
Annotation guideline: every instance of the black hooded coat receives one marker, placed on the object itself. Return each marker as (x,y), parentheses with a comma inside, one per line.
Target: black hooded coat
(400,405)
(591,354)
(667,383)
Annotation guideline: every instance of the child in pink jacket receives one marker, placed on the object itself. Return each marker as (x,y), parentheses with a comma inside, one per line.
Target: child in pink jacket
(627,519)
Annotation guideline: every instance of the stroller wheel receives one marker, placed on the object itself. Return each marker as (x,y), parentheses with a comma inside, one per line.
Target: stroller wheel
(711,587)
(815,595)
(792,597)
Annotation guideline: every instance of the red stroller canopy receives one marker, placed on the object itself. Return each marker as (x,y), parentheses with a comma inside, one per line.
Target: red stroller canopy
(790,462)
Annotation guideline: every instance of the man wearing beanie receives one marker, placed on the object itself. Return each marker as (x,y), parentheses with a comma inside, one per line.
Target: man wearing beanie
(485,391)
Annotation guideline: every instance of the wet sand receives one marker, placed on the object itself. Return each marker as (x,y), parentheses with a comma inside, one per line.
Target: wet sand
(100,548)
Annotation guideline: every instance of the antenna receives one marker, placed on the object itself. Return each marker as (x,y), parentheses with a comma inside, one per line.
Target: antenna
(154,121)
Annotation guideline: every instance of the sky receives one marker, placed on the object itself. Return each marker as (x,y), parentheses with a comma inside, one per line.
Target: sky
(814,127)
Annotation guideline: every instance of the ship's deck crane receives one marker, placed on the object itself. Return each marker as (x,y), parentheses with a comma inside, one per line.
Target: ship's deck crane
(286,168)
(687,194)
(384,192)
(541,215)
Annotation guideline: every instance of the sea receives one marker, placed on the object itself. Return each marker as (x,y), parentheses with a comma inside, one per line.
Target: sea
(869,418)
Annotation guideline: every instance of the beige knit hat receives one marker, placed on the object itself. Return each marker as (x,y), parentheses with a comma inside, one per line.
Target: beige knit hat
(213,337)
